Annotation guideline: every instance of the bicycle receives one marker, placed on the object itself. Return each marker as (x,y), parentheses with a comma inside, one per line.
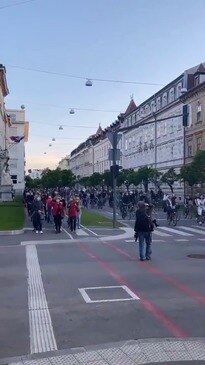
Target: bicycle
(172,218)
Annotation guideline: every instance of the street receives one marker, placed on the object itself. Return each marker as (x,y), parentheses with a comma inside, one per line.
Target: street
(91,288)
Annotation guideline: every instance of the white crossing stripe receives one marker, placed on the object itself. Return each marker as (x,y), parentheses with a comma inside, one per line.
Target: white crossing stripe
(133,241)
(181,240)
(42,337)
(194,230)
(80,232)
(199,239)
(162,234)
(175,231)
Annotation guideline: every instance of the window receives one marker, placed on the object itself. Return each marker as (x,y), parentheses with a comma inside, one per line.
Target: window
(164,128)
(164,99)
(198,143)
(158,131)
(158,103)
(172,128)
(14,179)
(199,114)
(126,145)
(130,142)
(133,141)
(13,117)
(189,149)
(179,86)
(171,95)
(172,152)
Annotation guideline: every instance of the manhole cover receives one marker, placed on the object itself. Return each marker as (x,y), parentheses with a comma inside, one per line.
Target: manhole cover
(197,256)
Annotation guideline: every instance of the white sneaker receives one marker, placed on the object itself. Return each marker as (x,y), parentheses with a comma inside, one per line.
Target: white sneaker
(36,231)
(41,232)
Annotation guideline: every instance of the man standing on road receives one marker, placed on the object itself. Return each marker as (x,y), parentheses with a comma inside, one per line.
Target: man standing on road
(143,229)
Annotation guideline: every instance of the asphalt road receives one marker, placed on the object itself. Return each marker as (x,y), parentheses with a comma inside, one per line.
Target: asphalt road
(127,299)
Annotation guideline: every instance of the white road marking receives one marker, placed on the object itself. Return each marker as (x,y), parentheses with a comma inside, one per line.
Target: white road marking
(87,299)
(42,337)
(194,230)
(71,237)
(171,230)
(128,233)
(43,242)
(181,240)
(162,234)
(80,232)
(89,230)
(201,239)
(133,241)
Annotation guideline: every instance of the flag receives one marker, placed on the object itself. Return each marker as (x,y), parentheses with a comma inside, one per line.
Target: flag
(16,139)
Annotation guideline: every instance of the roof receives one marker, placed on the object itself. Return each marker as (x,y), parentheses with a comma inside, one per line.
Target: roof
(99,131)
(196,68)
(131,108)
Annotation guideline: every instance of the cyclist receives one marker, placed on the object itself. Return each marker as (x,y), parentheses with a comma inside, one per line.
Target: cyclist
(170,205)
(200,203)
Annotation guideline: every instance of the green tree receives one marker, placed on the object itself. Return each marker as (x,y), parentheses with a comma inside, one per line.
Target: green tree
(169,178)
(96,179)
(190,175)
(145,175)
(199,165)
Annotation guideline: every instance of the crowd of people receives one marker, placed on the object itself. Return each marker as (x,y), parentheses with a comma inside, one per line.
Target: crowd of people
(55,205)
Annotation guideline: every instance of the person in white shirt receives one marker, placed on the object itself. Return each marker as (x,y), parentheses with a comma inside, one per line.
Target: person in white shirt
(200,203)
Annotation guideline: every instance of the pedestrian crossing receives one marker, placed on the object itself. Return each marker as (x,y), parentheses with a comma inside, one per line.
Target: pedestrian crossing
(162,233)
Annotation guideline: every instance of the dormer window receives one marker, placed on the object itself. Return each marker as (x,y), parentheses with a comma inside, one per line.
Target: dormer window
(164,99)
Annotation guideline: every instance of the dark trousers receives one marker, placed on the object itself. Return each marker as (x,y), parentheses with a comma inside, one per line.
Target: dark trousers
(58,222)
(37,222)
(73,224)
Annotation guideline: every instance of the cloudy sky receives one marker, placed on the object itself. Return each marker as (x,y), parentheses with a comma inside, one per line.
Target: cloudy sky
(146,41)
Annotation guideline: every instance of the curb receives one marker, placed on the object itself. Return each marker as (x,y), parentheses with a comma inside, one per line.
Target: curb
(12,233)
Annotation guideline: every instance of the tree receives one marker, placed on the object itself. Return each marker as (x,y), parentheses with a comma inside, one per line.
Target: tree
(145,174)
(96,179)
(199,165)
(169,178)
(190,175)
(155,178)
(107,178)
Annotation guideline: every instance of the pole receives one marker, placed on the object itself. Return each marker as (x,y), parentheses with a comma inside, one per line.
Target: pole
(114,178)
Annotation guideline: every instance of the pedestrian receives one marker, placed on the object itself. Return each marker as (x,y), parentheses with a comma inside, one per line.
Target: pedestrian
(49,204)
(58,214)
(143,230)
(78,218)
(37,215)
(72,214)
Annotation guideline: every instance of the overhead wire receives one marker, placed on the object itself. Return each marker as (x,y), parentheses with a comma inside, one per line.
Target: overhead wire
(16,4)
(83,77)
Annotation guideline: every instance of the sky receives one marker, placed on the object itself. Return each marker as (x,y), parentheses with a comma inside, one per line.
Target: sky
(146,41)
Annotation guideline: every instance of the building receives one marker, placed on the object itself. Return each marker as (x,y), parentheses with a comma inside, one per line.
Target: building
(64,163)
(17,136)
(195,131)
(5,180)
(35,173)
(158,139)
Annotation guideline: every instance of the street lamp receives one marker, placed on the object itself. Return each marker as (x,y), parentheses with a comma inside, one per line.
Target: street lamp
(72,111)
(60,127)
(89,83)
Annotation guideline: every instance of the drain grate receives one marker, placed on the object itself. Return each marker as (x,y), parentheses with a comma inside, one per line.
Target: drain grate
(197,256)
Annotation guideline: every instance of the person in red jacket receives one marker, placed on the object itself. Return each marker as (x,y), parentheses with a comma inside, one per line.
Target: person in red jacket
(58,214)
(72,214)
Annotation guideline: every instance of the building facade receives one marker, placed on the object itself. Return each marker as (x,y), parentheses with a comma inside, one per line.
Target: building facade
(35,173)
(17,137)
(5,180)
(64,164)
(158,137)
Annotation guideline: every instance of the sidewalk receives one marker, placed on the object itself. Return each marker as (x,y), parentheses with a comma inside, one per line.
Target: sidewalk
(151,351)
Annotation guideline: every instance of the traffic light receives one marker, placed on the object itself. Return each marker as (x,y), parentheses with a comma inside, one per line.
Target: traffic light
(115,170)
(187,115)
